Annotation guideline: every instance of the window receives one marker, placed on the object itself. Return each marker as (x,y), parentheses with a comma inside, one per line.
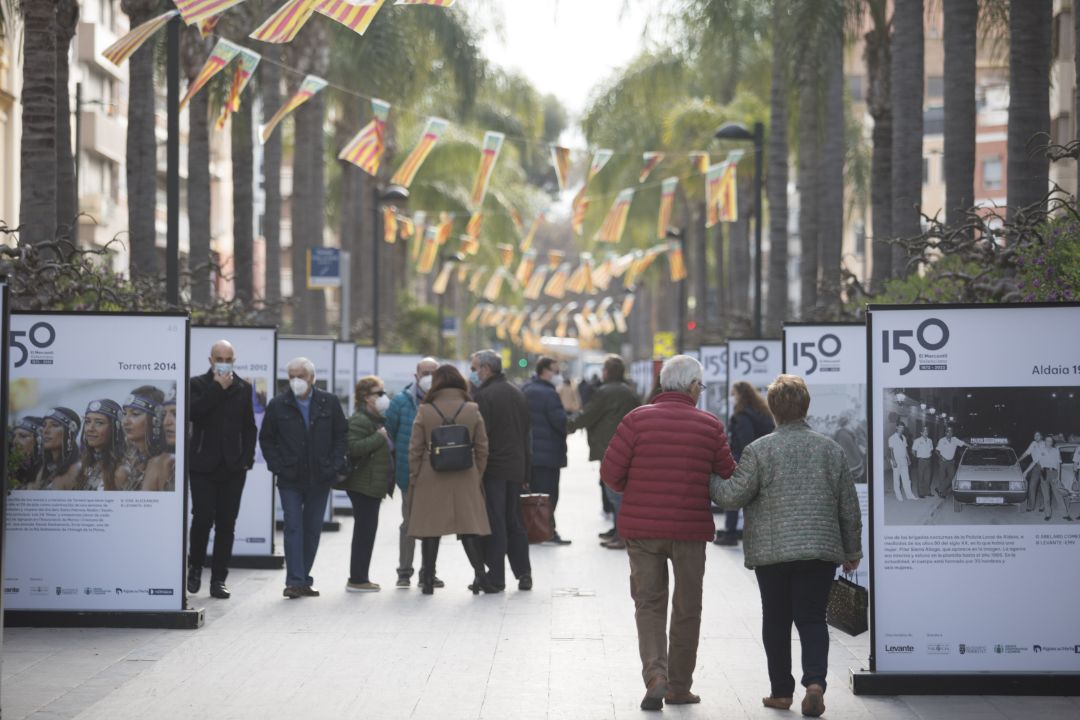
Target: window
(991,172)
(926,171)
(935,86)
(855,88)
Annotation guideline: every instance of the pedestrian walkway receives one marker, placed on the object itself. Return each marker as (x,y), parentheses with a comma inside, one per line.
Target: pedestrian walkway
(567,649)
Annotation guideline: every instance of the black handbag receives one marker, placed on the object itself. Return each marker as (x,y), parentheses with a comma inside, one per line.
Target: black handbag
(847,607)
(451,446)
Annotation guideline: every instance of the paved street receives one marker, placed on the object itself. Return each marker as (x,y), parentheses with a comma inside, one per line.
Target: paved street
(565,650)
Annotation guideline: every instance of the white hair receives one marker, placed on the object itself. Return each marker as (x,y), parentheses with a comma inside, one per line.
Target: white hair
(303,362)
(679,373)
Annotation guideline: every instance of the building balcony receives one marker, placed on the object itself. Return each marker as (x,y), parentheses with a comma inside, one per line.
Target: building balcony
(90,40)
(103,135)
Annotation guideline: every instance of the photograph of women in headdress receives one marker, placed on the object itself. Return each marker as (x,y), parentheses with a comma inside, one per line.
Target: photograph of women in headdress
(60,450)
(26,450)
(102,445)
(146,465)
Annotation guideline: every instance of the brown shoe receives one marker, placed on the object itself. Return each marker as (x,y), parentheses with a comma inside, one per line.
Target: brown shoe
(813,705)
(777,703)
(681,697)
(654,693)
(616,543)
(308,591)
(293,591)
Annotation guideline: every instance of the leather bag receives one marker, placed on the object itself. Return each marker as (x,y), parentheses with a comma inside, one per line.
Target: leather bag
(536,516)
(847,607)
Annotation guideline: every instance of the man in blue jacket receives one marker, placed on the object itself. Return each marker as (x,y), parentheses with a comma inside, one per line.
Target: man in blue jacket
(548,421)
(303,440)
(399,422)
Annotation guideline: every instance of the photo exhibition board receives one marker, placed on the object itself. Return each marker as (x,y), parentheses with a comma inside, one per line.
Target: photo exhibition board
(97,406)
(714,361)
(972,574)
(344,382)
(831,359)
(397,371)
(254,349)
(758,362)
(365,361)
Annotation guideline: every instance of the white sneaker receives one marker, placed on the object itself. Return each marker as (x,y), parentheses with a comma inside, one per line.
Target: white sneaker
(362,587)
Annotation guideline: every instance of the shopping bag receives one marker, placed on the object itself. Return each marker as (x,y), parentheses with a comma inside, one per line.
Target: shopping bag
(847,607)
(536,516)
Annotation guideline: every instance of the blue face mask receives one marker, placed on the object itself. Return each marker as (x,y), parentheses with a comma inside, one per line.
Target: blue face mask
(474,378)
(223,368)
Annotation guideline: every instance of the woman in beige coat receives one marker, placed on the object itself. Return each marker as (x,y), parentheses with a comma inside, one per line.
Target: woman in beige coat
(448,503)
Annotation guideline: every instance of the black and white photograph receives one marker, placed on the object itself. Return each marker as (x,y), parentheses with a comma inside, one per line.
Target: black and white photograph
(981,456)
(839,412)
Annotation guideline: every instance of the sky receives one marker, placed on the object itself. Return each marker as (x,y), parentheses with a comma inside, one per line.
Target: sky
(566,47)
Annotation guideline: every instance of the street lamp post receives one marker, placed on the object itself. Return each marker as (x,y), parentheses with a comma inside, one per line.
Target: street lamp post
(737,131)
(172,163)
(677,235)
(394,195)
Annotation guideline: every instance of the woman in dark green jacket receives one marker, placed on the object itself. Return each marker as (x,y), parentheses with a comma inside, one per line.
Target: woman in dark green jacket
(369,476)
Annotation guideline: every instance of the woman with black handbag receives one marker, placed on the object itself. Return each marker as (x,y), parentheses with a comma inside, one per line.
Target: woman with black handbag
(448,452)
(802,521)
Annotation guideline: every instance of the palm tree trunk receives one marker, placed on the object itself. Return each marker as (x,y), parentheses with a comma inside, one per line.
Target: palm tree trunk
(271,99)
(141,157)
(809,196)
(193,50)
(1029,102)
(308,207)
(243,194)
(879,104)
(961,18)
(67,204)
(700,266)
(37,209)
(906,79)
(832,177)
(776,184)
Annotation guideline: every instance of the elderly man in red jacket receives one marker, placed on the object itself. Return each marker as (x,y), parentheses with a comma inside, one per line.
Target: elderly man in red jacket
(661,459)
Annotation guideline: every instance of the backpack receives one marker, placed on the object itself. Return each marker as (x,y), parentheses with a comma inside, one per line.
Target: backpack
(451,446)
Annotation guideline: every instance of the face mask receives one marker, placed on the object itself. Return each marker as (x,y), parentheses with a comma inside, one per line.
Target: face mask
(474,378)
(299,386)
(557,380)
(382,403)
(222,368)
(425,383)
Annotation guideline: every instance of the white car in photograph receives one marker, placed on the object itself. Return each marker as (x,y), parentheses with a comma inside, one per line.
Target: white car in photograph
(989,473)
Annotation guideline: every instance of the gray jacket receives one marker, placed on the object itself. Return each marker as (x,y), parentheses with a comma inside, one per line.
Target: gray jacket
(799,497)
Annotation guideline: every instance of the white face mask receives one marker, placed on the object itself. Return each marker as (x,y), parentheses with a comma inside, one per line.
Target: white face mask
(299,386)
(557,380)
(425,383)
(382,403)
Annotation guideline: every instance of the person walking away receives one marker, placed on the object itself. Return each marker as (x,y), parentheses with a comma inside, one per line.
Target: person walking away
(369,478)
(750,420)
(547,418)
(607,406)
(303,439)
(448,502)
(223,436)
(399,425)
(923,447)
(947,446)
(802,521)
(661,459)
(506,418)
(900,459)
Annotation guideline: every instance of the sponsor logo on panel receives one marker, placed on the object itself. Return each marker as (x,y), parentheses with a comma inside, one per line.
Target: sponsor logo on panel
(966,649)
(922,346)
(753,361)
(815,357)
(938,649)
(1056,648)
(39,338)
(900,649)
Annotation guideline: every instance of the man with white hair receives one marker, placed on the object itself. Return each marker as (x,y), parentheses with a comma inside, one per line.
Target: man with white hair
(303,441)
(661,459)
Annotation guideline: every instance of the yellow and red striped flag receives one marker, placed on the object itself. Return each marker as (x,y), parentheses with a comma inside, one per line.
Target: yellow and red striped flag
(577,219)
(244,70)
(309,87)
(676,264)
(560,160)
(600,159)
(556,284)
(667,202)
(220,56)
(727,198)
(282,26)
(199,11)
(699,160)
(469,245)
(390,225)
(627,305)
(123,48)
(462,271)
(581,202)
(650,160)
(476,221)
(581,279)
(353,14)
(536,284)
(494,285)
(207,26)
(525,267)
(713,179)
(419,227)
(444,228)
(555,258)
(489,155)
(366,149)
(615,222)
(430,251)
(406,226)
(436,3)
(474,314)
(527,241)
(407,172)
(515,216)
(476,279)
(442,280)
(506,254)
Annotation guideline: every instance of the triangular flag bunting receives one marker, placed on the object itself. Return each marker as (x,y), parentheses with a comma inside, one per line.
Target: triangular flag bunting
(581,202)
(244,70)
(489,155)
(407,172)
(525,267)
(476,221)
(356,16)
(123,48)
(442,280)
(207,26)
(366,149)
(615,222)
(198,11)
(700,162)
(536,284)
(560,160)
(667,202)
(282,26)
(390,225)
(436,3)
(430,251)
(650,160)
(220,56)
(309,87)
(506,254)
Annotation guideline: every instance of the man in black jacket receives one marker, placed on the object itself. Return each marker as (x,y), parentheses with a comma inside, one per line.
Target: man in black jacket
(222,451)
(303,441)
(506,419)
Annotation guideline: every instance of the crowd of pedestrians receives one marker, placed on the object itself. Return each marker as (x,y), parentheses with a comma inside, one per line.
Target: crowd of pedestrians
(461,451)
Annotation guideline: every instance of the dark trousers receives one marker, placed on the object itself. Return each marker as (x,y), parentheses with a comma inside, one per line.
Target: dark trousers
(795,592)
(508,539)
(731,522)
(304,507)
(215,503)
(546,480)
(365,512)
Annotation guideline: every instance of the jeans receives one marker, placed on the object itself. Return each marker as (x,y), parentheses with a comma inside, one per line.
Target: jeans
(508,539)
(304,507)
(674,657)
(795,592)
(365,522)
(615,498)
(215,502)
(406,544)
(546,480)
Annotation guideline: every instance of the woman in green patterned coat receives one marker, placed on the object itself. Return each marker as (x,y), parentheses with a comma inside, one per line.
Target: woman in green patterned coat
(802,520)
(370,474)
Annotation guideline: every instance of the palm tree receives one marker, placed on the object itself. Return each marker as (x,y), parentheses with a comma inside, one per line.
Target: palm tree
(37,211)
(243,196)
(1029,102)
(809,171)
(832,172)
(270,90)
(777,177)
(906,79)
(141,156)
(193,51)
(67,204)
(961,21)
(878,57)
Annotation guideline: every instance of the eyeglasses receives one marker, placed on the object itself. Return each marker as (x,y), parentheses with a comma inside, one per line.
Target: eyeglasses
(380,393)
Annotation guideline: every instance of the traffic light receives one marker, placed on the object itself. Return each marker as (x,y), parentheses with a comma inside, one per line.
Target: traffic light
(691,325)
(523,363)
